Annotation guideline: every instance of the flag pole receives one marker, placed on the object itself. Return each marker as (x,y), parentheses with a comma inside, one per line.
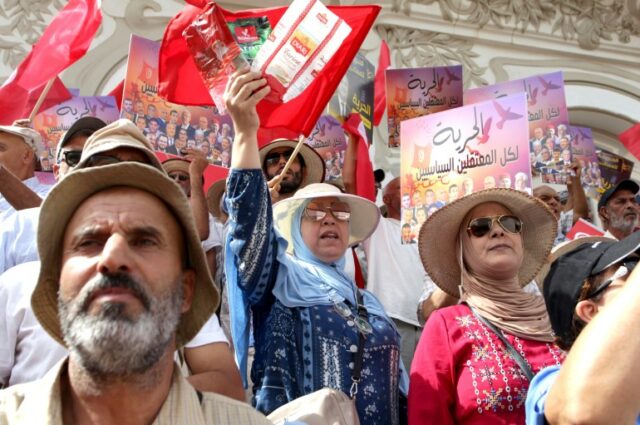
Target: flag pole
(41,99)
(293,156)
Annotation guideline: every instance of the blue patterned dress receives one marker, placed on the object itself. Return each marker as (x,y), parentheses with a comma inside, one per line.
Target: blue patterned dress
(299,350)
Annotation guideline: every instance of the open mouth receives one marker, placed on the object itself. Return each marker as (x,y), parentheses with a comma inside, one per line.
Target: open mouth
(329,235)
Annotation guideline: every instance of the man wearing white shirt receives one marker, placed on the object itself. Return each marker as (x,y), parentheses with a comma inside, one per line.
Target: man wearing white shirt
(395,272)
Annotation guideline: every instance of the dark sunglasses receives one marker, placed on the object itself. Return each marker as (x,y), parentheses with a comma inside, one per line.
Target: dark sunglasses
(72,158)
(179,177)
(480,226)
(625,269)
(340,210)
(274,158)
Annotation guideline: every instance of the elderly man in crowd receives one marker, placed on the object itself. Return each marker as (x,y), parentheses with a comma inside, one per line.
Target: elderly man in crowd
(123,284)
(29,352)
(618,209)
(19,186)
(18,231)
(306,168)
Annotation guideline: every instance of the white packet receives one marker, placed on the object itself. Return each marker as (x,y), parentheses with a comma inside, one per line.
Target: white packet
(302,43)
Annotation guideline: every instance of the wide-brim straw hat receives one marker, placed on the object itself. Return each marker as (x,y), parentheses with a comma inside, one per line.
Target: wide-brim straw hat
(176,164)
(564,248)
(58,209)
(312,160)
(214,194)
(437,241)
(364,213)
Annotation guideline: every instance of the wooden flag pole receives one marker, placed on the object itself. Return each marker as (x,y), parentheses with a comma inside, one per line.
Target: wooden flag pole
(41,99)
(290,161)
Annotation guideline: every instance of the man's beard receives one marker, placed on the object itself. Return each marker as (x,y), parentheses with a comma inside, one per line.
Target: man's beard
(291,184)
(623,223)
(112,343)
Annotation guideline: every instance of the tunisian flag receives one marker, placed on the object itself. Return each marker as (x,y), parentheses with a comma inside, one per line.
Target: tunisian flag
(64,41)
(180,82)
(379,84)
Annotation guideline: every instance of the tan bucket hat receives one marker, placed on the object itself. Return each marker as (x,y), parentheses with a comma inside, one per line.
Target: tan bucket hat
(119,134)
(437,241)
(60,205)
(312,160)
(365,215)
(175,164)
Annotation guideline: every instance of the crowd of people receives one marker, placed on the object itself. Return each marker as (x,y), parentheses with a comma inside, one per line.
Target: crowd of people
(131,295)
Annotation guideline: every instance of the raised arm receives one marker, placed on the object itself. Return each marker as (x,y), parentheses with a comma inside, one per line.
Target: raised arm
(598,382)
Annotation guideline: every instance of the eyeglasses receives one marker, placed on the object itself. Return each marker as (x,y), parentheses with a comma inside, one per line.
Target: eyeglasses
(72,158)
(479,227)
(179,177)
(345,312)
(274,158)
(340,210)
(627,266)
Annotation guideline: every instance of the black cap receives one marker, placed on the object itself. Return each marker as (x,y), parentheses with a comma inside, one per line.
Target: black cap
(629,185)
(563,283)
(92,124)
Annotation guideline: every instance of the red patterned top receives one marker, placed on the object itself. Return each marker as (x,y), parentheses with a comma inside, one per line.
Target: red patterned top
(462,374)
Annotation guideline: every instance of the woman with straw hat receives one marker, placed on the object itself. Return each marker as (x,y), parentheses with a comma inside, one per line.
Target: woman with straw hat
(313,328)
(474,360)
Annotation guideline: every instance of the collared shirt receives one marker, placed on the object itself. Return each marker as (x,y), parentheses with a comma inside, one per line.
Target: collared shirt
(40,402)
(32,183)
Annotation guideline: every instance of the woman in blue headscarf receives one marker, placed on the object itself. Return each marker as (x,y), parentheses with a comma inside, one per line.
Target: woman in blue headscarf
(288,282)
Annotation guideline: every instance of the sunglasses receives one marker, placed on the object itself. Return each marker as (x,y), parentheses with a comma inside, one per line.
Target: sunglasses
(480,226)
(340,210)
(274,158)
(627,266)
(179,177)
(72,158)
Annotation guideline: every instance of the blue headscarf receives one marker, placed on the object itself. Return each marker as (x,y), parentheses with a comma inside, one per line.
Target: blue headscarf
(304,280)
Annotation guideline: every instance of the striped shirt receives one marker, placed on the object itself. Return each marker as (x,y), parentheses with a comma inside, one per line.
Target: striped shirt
(40,402)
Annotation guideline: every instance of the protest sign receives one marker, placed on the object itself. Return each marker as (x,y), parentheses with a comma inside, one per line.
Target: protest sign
(329,140)
(583,229)
(171,128)
(53,122)
(583,153)
(355,94)
(613,169)
(450,154)
(547,109)
(414,92)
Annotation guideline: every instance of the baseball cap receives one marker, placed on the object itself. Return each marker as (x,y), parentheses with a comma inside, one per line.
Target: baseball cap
(566,276)
(91,124)
(629,185)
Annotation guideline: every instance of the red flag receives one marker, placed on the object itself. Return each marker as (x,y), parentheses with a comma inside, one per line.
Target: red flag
(630,138)
(365,183)
(379,84)
(64,41)
(117,92)
(180,81)
(17,103)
